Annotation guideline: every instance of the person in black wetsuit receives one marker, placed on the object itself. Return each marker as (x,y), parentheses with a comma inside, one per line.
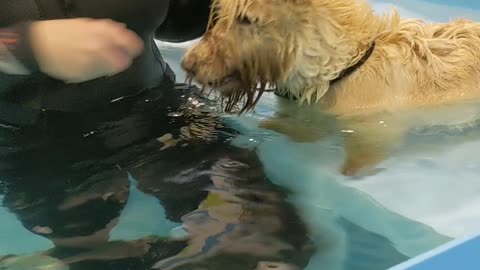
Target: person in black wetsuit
(71,131)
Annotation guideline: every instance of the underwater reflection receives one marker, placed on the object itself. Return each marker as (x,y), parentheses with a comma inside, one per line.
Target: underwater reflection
(67,180)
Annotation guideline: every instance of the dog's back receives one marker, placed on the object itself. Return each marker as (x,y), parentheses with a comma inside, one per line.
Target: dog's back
(444,58)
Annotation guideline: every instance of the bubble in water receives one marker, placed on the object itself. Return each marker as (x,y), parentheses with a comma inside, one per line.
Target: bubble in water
(88,134)
(175,114)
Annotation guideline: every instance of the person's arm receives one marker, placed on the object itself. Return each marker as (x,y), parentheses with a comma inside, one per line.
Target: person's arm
(186,20)
(71,50)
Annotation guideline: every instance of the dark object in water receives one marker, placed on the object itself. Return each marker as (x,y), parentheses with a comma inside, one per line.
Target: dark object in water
(76,186)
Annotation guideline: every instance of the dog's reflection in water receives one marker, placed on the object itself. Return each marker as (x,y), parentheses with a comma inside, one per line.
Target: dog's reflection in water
(234,218)
(243,222)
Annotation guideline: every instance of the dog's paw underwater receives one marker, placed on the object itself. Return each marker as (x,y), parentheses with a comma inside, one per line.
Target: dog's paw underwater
(340,55)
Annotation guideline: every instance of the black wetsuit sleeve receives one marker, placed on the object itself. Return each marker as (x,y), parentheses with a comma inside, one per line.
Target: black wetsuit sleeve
(186,20)
(16,55)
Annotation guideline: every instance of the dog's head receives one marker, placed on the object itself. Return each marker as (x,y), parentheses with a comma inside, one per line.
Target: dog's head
(295,45)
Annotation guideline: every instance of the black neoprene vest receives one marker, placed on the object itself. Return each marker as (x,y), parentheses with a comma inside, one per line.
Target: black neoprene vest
(171,20)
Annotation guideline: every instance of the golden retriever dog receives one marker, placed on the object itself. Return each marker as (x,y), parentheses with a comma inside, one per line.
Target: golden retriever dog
(370,71)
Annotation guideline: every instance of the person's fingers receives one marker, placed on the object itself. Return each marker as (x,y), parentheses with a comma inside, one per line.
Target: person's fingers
(121,36)
(115,60)
(127,40)
(77,50)
(107,23)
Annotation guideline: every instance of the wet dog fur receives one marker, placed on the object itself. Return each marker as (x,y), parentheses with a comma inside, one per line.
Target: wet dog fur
(301,46)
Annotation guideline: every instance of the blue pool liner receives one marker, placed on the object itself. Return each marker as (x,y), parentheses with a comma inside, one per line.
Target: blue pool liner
(459,254)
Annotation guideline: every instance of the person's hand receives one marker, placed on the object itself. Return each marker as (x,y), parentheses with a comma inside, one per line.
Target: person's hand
(77,50)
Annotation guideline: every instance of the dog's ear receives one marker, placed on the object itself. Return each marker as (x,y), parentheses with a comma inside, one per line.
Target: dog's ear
(297,1)
(285,1)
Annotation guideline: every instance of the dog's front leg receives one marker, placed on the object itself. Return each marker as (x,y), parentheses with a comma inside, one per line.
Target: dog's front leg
(367,143)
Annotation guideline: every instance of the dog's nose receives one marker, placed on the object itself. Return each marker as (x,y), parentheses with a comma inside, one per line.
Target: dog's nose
(189,64)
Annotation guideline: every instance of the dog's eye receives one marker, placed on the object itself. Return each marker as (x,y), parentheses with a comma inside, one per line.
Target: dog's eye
(244,20)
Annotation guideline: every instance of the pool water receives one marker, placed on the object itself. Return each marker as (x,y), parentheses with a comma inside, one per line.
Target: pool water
(425,195)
